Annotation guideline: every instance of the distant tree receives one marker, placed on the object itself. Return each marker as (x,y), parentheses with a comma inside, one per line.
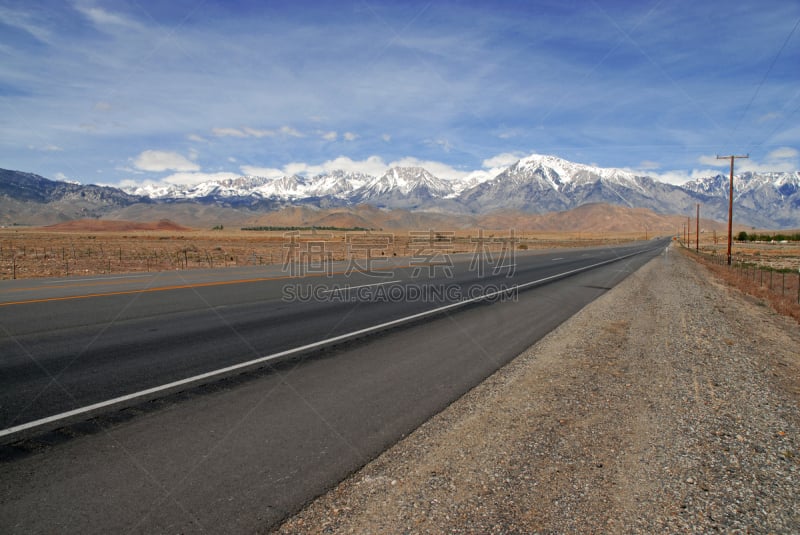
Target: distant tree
(742,236)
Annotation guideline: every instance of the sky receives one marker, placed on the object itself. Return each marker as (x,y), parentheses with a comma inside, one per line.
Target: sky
(145,91)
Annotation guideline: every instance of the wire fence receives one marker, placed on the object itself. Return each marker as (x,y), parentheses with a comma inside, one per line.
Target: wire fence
(780,287)
(784,282)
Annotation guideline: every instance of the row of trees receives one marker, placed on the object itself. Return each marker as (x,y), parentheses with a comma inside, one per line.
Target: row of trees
(290,228)
(744,236)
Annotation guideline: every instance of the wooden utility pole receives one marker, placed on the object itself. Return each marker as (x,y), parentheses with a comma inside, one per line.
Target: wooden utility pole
(689,232)
(697,233)
(730,204)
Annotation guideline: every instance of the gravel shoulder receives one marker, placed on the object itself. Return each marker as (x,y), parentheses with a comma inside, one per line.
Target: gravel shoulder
(669,404)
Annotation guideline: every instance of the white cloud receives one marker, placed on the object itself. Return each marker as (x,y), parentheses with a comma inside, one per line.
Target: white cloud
(106,20)
(769,117)
(386,137)
(330,136)
(289,131)
(649,165)
(103,19)
(46,148)
(439,169)
(102,105)
(190,179)
(268,172)
(443,143)
(373,165)
(299,168)
(769,166)
(228,132)
(126,169)
(506,135)
(24,21)
(196,138)
(247,131)
(133,183)
(258,133)
(782,159)
(350,136)
(782,153)
(679,177)
(712,161)
(158,160)
(502,160)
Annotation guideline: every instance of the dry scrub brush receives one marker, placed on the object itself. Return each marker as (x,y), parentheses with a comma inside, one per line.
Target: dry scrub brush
(781,292)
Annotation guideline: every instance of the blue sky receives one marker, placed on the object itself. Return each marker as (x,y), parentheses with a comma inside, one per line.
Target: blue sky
(146,91)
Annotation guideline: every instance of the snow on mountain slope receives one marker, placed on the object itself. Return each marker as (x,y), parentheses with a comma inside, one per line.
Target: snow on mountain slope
(404,181)
(536,183)
(785,184)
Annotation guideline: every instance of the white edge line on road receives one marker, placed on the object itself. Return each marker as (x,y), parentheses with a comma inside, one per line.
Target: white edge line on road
(294,351)
(348,288)
(559,258)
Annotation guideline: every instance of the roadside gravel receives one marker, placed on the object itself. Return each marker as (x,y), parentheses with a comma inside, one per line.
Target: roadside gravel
(670,404)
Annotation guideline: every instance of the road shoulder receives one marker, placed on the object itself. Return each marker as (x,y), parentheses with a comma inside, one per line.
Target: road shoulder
(668,404)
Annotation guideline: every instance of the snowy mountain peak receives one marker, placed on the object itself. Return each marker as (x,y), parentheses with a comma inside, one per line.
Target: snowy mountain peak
(536,183)
(783,183)
(563,171)
(405,180)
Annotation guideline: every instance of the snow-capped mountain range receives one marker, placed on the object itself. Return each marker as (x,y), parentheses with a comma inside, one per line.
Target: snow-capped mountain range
(535,184)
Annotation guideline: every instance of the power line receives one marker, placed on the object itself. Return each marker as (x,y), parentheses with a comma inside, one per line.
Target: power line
(764,79)
(785,117)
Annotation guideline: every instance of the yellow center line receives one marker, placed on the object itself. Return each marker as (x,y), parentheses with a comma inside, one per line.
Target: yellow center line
(183,287)
(78,284)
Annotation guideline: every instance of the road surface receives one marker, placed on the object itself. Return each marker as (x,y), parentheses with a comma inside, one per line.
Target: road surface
(242,452)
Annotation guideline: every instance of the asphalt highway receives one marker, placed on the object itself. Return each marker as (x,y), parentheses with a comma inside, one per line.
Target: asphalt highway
(360,360)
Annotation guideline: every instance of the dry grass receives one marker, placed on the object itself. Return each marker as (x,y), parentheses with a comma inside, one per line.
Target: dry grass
(42,252)
(780,289)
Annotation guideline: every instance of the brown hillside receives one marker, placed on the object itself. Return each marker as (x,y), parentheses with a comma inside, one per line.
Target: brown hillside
(102,225)
(593,217)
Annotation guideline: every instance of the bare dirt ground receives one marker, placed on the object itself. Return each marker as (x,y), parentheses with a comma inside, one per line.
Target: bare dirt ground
(669,405)
(43,252)
(772,255)
(774,280)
